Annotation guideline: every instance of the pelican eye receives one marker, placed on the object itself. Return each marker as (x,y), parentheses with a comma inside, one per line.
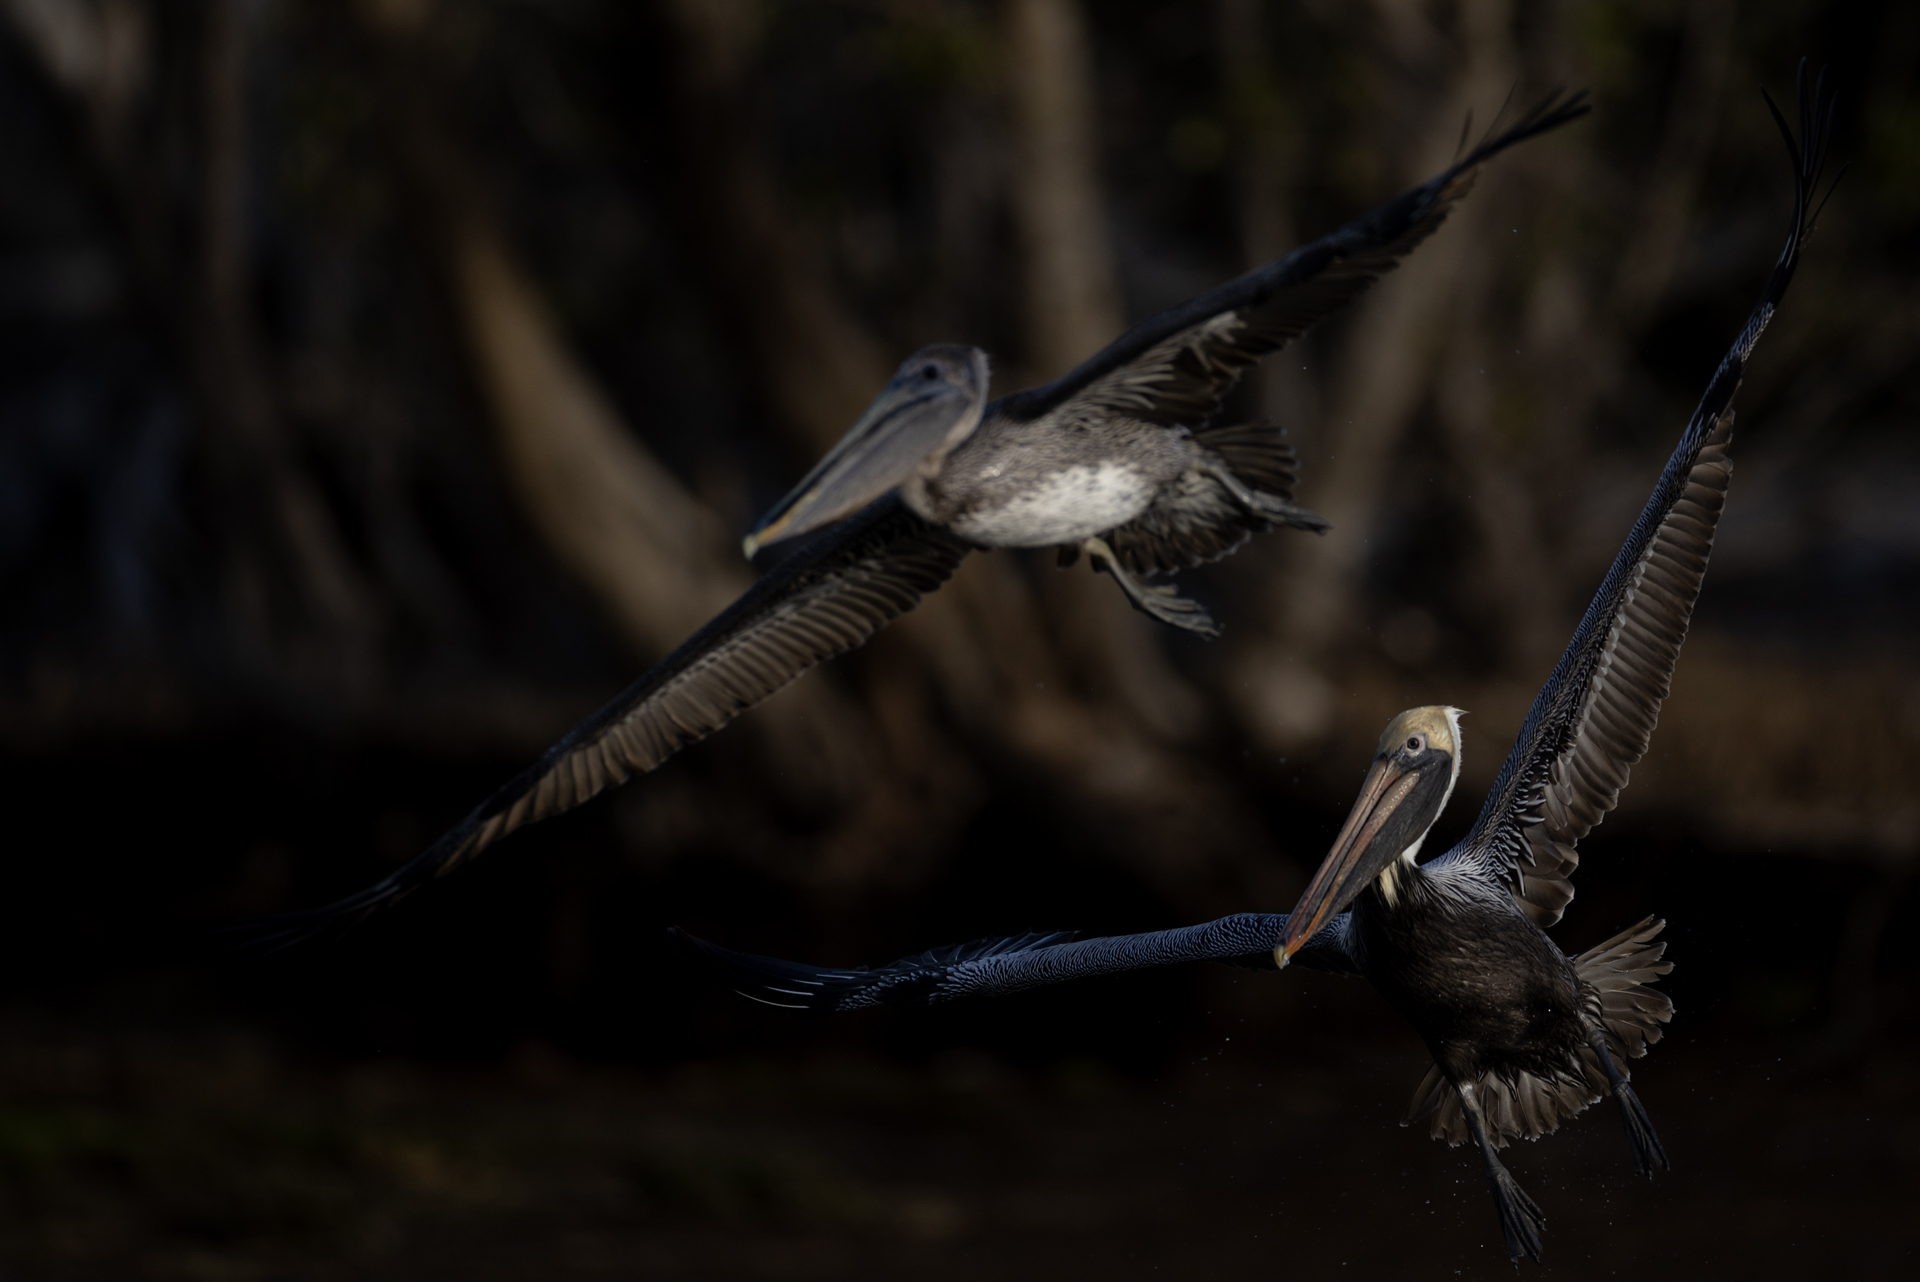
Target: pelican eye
(929,372)
(1416,743)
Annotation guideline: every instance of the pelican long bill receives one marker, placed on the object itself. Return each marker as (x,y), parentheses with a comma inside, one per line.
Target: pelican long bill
(931,404)
(1358,854)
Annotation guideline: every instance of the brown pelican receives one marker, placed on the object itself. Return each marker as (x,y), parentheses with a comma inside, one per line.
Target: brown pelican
(1116,458)
(1522,1036)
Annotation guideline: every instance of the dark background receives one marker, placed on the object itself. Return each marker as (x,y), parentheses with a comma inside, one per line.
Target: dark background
(383,385)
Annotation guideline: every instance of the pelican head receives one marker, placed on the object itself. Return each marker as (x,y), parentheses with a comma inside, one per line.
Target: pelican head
(1414,770)
(932,403)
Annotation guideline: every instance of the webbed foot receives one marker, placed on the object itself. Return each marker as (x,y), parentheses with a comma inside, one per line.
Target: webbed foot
(1648,1152)
(1521,1221)
(1268,507)
(1158,601)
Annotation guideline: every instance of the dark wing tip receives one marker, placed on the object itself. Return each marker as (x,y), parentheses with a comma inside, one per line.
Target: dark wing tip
(772,982)
(1558,108)
(279,931)
(1808,154)
(1545,733)
(935,975)
(272,934)
(827,598)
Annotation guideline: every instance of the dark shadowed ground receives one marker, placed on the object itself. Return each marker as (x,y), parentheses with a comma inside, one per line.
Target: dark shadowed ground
(419,1101)
(210,1153)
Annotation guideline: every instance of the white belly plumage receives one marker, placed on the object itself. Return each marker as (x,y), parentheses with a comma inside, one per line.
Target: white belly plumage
(1066,507)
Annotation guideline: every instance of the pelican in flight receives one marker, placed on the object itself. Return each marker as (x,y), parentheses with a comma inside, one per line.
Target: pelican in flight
(1117,459)
(1523,1037)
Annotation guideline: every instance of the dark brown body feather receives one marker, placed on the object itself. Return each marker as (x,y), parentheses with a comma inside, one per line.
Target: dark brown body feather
(1614,984)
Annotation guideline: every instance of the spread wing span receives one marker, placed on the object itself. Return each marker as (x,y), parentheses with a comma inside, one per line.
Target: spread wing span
(822,601)
(1594,717)
(1172,368)
(1175,367)
(991,967)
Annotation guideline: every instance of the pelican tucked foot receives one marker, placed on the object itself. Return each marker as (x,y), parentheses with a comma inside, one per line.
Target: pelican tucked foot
(1159,601)
(1521,1221)
(1268,507)
(1648,1152)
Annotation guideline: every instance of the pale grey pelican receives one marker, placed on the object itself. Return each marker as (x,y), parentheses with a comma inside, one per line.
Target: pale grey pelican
(1117,458)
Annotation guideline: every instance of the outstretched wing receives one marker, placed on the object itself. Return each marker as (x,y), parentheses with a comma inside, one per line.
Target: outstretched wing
(991,967)
(1592,720)
(825,600)
(1175,367)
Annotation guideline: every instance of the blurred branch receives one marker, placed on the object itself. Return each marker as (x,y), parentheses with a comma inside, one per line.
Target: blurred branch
(657,560)
(1395,343)
(238,388)
(1072,303)
(816,366)
(652,554)
(1265,153)
(649,550)
(1256,116)
(1509,582)
(1668,190)
(1013,673)
(1072,309)
(100,51)
(291,580)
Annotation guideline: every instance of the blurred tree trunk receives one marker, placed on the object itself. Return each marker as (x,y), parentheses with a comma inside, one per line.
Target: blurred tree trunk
(1582,325)
(1072,302)
(1398,339)
(99,51)
(656,559)
(1513,578)
(1000,662)
(255,459)
(1265,150)
(303,616)
(651,552)
(1669,191)
(1073,310)
(816,366)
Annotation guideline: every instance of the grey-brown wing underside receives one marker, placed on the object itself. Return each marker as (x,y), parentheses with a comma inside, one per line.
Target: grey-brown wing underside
(821,602)
(1175,367)
(1595,716)
(994,967)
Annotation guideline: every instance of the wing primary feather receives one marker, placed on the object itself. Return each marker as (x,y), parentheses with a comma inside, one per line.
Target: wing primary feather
(1592,720)
(821,601)
(996,966)
(1173,368)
